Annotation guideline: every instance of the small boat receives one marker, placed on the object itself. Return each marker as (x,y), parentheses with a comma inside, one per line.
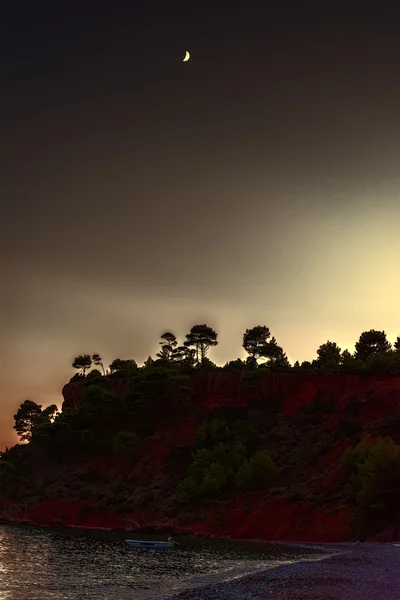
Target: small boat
(152,544)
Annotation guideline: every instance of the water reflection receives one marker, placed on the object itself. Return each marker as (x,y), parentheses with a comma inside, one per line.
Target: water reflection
(42,564)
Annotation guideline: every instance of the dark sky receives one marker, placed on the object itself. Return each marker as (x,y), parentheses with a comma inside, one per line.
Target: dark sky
(257,183)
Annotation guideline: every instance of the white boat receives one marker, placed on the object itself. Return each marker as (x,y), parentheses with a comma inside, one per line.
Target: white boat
(170,543)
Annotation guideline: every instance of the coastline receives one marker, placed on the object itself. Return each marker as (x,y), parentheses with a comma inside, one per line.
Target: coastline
(361,571)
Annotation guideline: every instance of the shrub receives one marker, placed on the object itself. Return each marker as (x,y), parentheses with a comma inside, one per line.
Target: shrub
(126,443)
(77,377)
(256,473)
(187,490)
(94,373)
(371,473)
(210,434)
(319,406)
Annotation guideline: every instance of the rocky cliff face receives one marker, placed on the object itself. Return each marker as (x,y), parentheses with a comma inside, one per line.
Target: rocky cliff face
(306,504)
(379,394)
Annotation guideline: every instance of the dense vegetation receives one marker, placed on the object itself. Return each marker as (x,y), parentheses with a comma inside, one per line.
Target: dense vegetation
(252,448)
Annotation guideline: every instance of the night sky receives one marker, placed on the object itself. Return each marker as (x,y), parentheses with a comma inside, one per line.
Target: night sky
(257,183)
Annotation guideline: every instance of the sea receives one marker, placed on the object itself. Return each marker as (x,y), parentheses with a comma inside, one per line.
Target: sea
(68,564)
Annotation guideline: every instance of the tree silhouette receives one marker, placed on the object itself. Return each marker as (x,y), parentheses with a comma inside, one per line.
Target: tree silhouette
(26,418)
(98,361)
(397,344)
(82,362)
(255,342)
(182,354)
(329,355)
(119,364)
(371,343)
(168,343)
(276,356)
(201,337)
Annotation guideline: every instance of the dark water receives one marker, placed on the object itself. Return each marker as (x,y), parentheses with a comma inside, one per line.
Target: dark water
(44,564)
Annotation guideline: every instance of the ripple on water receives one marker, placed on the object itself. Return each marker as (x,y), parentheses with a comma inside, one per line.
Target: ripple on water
(44,564)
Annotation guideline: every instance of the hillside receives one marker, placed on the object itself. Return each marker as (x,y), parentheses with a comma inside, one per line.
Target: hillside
(279,474)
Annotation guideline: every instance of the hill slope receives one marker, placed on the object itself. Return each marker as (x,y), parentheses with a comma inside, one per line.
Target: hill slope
(78,475)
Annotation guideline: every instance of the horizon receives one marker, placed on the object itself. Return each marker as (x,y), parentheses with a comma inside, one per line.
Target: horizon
(255,183)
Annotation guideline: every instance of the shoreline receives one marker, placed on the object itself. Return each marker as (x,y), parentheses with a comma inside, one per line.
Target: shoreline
(361,571)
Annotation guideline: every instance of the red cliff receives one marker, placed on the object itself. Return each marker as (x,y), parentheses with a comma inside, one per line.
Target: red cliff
(305,505)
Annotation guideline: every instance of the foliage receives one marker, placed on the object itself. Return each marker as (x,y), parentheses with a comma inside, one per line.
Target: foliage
(257,472)
(277,359)
(371,343)
(160,385)
(187,490)
(26,418)
(76,377)
(168,343)
(329,355)
(100,407)
(119,364)
(235,365)
(93,374)
(201,337)
(184,356)
(148,362)
(212,433)
(83,362)
(98,361)
(126,444)
(319,405)
(219,465)
(383,363)
(212,471)
(371,472)
(254,342)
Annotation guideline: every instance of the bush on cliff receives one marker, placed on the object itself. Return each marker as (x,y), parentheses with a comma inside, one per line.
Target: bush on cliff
(225,468)
(371,473)
(257,472)
(220,463)
(383,363)
(77,377)
(210,434)
(126,446)
(319,406)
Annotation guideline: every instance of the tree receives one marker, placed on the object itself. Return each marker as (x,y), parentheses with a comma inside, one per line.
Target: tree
(257,472)
(182,354)
(276,356)
(329,355)
(397,344)
(371,343)
(126,445)
(168,343)
(346,356)
(201,337)
(371,472)
(148,362)
(123,365)
(26,418)
(306,365)
(235,365)
(98,361)
(255,342)
(49,413)
(82,362)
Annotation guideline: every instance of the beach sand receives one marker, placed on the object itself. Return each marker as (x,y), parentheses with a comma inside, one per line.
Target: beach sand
(364,571)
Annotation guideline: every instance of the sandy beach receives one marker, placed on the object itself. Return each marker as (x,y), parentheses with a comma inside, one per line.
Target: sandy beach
(369,571)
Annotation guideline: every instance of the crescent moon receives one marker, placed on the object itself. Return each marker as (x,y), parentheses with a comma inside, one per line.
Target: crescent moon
(187,56)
